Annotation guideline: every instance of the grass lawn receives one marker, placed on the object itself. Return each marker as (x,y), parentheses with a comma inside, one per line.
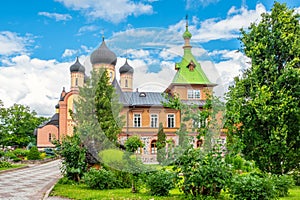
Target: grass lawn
(13,167)
(82,192)
(294,194)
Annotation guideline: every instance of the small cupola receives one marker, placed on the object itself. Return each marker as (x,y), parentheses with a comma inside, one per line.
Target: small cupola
(77,67)
(126,68)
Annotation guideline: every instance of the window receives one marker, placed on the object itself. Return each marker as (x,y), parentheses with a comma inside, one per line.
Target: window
(137,120)
(153,147)
(201,122)
(49,137)
(193,94)
(171,120)
(110,76)
(199,143)
(154,120)
(126,83)
(76,82)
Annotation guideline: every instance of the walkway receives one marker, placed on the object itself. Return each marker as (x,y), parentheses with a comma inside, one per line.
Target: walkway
(29,183)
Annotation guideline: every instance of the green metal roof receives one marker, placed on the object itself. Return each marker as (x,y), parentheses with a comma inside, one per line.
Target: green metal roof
(186,76)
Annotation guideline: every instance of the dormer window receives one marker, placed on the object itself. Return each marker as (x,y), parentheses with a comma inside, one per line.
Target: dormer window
(142,94)
(191,66)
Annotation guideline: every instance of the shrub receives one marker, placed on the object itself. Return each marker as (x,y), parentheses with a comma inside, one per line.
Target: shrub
(10,155)
(34,154)
(252,186)
(282,184)
(99,179)
(203,173)
(296,176)
(21,153)
(43,155)
(160,183)
(5,164)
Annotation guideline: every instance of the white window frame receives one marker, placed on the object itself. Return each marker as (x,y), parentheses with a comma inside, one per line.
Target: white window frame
(193,94)
(153,120)
(137,123)
(168,124)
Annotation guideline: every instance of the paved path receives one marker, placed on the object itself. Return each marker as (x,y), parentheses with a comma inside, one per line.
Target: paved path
(30,183)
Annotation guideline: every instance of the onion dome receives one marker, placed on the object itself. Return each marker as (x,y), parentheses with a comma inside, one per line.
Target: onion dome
(77,67)
(103,55)
(187,34)
(126,69)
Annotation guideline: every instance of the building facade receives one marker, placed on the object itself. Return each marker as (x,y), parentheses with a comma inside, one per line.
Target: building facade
(143,111)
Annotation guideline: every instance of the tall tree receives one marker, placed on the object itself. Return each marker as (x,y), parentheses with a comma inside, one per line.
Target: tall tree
(161,144)
(17,125)
(97,114)
(263,116)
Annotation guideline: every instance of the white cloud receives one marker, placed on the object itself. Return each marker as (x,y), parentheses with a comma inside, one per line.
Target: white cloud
(56,16)
(12,43)
(114,12)
(34,82)
(69,53)
(196,3)
(89,28)
(229,28)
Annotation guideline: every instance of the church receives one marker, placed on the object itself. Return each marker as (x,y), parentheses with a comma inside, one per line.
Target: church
(143,111)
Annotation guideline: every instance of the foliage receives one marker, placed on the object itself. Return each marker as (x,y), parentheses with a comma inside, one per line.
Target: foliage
(107,107)
(34,154)
(73,154)
(97,129)
(21,153)
(160,182)
(252,186)
(203,173)
(133,143)
(99,179)
(161,144)
(282,184)
(11,155)
(5,164)
(296,176)
(263,116)
(240,164)
(17,124)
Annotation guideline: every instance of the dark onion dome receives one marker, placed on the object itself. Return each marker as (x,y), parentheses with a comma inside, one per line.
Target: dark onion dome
(103,55)
(126,69)
(77,67)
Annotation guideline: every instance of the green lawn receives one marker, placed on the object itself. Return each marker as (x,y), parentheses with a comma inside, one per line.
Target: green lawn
(82,192)
(13,167)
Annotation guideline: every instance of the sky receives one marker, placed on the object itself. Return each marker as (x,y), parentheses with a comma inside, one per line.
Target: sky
(40,40)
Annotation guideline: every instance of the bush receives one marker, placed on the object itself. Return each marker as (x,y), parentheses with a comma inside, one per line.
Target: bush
(160,183)
(204,173)
(21,153)
(10,155)
(296,177)
(34,154)
(99,179)
(5,164)
(282,184)
(252,186)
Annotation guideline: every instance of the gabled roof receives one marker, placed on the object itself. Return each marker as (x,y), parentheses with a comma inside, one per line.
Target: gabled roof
(53,121)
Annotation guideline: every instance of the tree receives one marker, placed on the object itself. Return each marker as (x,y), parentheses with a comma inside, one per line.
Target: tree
(262,109)
(161,144)
(97,114)
(108,107)
(17,125)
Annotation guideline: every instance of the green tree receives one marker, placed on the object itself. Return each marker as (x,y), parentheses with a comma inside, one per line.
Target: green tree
(161,144)
(73,154)
(97,114)
(108,107)
(17,125)
(262,109)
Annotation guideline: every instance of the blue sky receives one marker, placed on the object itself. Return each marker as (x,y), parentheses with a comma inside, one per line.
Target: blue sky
(39,40)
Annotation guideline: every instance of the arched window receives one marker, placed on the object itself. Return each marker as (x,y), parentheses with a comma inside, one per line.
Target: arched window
(199,143)
(76,82)
(153,147)
(126,83)
(49,137)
